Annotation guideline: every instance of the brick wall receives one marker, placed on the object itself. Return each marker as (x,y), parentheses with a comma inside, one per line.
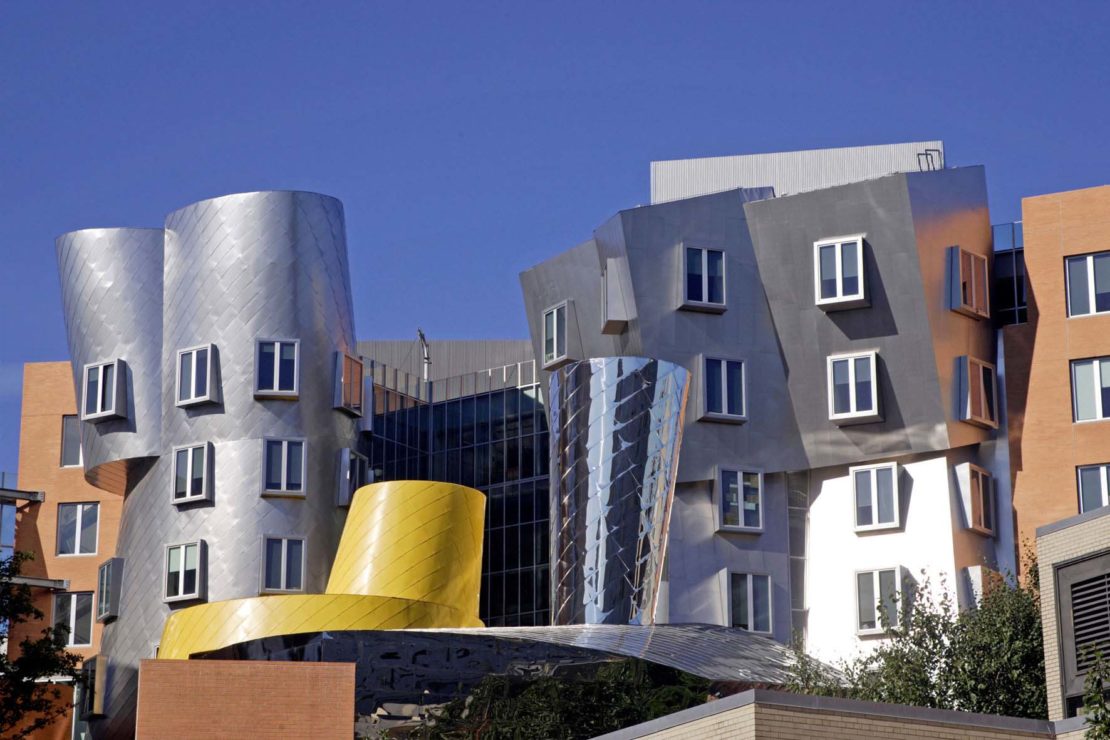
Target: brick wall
(256,699)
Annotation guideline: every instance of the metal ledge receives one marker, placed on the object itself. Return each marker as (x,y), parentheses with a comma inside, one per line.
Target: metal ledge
(14,494)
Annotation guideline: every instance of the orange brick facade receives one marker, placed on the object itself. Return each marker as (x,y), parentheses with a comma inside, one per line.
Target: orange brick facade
(256,699)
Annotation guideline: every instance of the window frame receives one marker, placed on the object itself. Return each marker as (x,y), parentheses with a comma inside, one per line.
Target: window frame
(719,498)
(72,620)
(1089,258)
(80,447)
(262,589)
(276,393)
(703,389)
(967,377)
(986,494)
(119,391)
(106,604)
(751,575)
(210,395)
(705,306)
(345,493)
(283,491)
(206,483)
(202,574)
(1102,414)
(1104,484)
(77,532)
(957,303)
(899,589)
(840,300)
(855,416)
(342,403)
(872,471)
(556,359)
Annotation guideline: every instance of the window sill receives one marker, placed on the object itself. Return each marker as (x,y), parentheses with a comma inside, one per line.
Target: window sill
(723,418)
(878,632)
(283,494)
(101,416)
(75,554)
(879,528)
(280,591)
(106,618)
(189,403)
(190,500)
(988,533)
(703,307)
(843,420)
(843,304)
(277,395)
(181,599)
(557,363)
(981,423)
(971,313)
(733,529)
(350,411)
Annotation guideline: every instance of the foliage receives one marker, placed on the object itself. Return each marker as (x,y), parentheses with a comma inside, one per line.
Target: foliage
(30,703)
(1095,688)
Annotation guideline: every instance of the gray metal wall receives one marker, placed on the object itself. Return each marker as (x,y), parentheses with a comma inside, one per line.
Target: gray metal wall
(450,357)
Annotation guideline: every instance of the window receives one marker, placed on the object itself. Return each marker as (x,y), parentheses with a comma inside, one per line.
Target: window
(877,596)
(277,368)
(107,589)
(348,383)
(838,272)
(195,381)
(1094,485)
(852,389)
(190,474)
(724,390)
(104,391)
(704,284)
(875,491)
(73,613)
(968,278)
(1088,279)
(982,501)
(283,564)
(354,473)
(978,393)
(77,530)
(750,602)
(71,441)
(183,571)
(7,530)
(283,466)
(554,334)
(741,500)
(1090,382)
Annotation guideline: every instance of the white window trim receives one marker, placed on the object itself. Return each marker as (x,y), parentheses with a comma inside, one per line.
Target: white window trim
(878,629)
(1103,469)
(706,305)
(970,377)
(556,359)
(267,393)
(285,468)
(209,396)
(857,416)
(72,621)
(284,545)
(870,469)
(80,447)
(703,390)
(719,498)
(118,391)
(114,567)
(77,532)
(201,572)
(1090,259)
(847,300)
(986,490)
(1100,413)
(205,487)
(751,601)
(340,375)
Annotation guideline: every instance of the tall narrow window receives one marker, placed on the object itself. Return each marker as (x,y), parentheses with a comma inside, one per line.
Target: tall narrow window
(1090,383)
(73,613)
(704,283)
(276,372)
(195,383)
(1094,485)
(354,473)
(852,389)
(968,293)
(71,441)
(555,334)
(183,571)
(838,272)
(982,501)
(77,529)
(724,390)
(348,383)
(103,391)
(875,489)
(190,474)
(750,601)
(878,593)
(741,500)
(107,589)
(283,564)
(979,393)
(283,466)
(1088,278)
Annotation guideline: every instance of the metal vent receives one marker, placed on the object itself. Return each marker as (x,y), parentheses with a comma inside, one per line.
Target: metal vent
(1090,600)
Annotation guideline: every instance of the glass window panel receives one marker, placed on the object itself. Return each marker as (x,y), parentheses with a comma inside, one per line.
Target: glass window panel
(849,256)
(82,620)
(864,395)
(173,572)
(1104,374)
(180,474)
(7,524)
(734,383)
(980,284)
(549,336)
(108,387)
(713,390)
(273,563)
(730,499)
(1090,488)
(71,441)
(1102,281)
(92,378)
(190,570)
(965,278)
(67,529)
(201,386)
(751,500)
(1079,301)
(273,465)
(761,603)
(185,380)
(865,590)
(88,528)
(287,372)
(561,331)
(884,487)
(988,502)
(842,398)
(864,515)
(266,366)
(888,591)
(197,473)
(987,376)
(294,550)
(716,279)
(827,259)
(62,612)
(294,464)
(693,275)
(740,601)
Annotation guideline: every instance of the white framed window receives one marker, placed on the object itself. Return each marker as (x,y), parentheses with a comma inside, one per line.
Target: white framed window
(978,393)
(184,571)
(277,368)
(878,600)
(283,466)
(348,383)
(875,492)
(73,612)
(190,473)
(969,277)
(354,473)
(71,441)
(749,602)
(196,381)
(982,501)
(78,529)
(703,284)
(104,395)
(853,387)
(555,334)
(838,277)
(282,564)
(107,589)
(723,390)
(1088,281)
(1094,486)
(739,500)
(1090,386)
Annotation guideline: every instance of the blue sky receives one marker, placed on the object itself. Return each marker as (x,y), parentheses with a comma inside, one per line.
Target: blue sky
(469,141)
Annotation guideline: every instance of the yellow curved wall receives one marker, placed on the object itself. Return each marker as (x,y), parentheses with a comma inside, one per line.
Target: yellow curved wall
(410,557)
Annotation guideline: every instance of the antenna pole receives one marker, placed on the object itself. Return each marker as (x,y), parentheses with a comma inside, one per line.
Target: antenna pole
(427,355)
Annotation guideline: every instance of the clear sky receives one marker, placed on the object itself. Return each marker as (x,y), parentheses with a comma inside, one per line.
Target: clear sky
(469,141)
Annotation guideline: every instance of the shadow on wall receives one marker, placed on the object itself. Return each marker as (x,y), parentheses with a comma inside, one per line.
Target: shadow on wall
(876,321)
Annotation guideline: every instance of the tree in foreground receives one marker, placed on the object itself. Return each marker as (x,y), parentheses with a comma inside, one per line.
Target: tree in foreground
(28,684)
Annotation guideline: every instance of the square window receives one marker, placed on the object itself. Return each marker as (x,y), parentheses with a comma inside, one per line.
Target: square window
(348,383)
(878,597)
(104,396)
(703,284)
(749,601)
(184,571)
(1088,284)
(723,392)
(277,368)
(71,441)
(282,564)
(354,473)
(740,500)
(77,529)
(875,492)
(190,474)
(853,388)
(196,381)
(73,614)
(1090,384)
(838,274)
(283,466)
(982,501)
(968,277)
(1094,485)
(555,335)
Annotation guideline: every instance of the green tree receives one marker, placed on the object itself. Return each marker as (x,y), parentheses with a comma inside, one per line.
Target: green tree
(1095,687)
(29,702)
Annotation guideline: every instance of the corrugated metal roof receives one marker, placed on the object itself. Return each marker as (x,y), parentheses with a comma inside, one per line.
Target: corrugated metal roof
(450,357)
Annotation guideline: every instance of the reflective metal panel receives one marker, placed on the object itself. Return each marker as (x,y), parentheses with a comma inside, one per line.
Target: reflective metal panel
(616,429)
